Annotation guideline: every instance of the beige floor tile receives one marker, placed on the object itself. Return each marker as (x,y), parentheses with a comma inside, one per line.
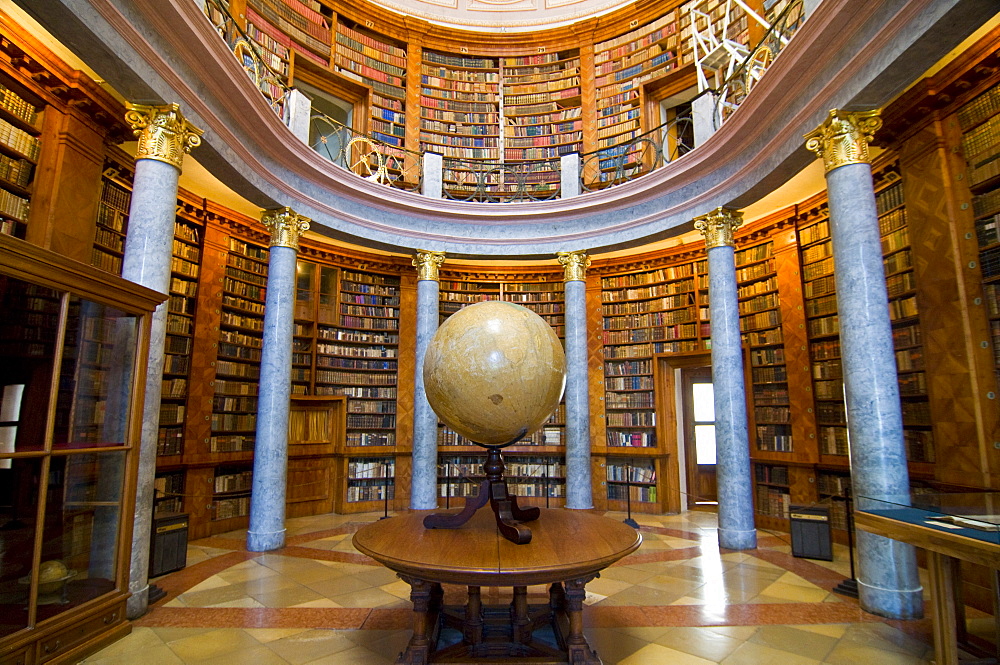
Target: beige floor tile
(309,645)
(213,582)
(657,654)
(786,638)
(156,655)
(644,633)
(169,635)
(702,642)
(286,597)
(249,570)
(213,596)
(338,585)
(174,602)
(401,589)
(612,645)
(139,640)
(794,593)
(265,635)
(626,574)
(212,644)
(607,587)
(846,653)
(386,643)
(751,653)
(354,656)
(240,602)
(829,629)
(258,655)
(322,602)
(370,598)
(741,633)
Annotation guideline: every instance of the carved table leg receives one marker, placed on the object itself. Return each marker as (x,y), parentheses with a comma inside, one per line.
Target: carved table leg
(578,650)
(520,621)
(424,596)
(473,626)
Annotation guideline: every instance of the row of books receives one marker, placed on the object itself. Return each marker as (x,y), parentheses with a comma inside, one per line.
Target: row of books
(19,140)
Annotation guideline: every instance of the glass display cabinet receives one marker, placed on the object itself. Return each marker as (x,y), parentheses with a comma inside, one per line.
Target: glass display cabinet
(950,527)
(73,341)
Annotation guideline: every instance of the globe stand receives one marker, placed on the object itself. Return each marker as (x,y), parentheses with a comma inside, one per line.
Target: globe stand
(493,488)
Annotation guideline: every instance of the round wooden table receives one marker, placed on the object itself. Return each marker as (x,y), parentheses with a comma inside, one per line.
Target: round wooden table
(568,549)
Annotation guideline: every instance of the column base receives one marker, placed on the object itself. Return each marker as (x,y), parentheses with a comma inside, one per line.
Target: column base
(891,603)
(732,539)
(137,604)
(265,542)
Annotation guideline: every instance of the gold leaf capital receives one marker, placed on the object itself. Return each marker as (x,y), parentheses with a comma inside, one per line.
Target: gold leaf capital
(574,265)
(843,137)
(718,226)
(427,264)
(285,226)
(163,133)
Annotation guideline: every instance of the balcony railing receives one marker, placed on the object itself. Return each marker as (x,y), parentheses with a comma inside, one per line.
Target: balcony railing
(365,156)
(737,86)
(498,182)
(643,154)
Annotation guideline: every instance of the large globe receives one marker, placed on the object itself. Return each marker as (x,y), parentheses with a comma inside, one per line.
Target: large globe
(494,370)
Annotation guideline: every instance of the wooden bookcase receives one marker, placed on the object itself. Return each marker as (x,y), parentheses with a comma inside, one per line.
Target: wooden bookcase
(979,121)
(19,150)
(380,63)
(542,106)
(460,106)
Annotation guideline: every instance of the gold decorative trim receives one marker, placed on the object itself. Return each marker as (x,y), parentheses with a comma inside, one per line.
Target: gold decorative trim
(163,133)
(574,265)
(285,226)
(427,264)
(718,226)
(843,137)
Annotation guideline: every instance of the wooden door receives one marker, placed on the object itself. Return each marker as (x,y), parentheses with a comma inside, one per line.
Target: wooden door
(699,435)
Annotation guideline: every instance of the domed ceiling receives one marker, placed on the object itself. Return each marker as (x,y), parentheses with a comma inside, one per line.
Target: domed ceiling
(502,15)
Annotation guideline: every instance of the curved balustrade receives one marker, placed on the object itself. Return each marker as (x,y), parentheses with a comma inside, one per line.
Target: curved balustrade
(497,182)
(268,79)
(643,154)
(738,85)
(365,156)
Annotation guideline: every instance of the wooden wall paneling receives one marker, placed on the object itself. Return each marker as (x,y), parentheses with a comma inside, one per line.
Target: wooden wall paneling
(310,487)
(946,269)
(406,372)
(599,480)
(796,345)
(67,185)
(201,377)
(588,90)
(802,484)
(414,55)
(595,365)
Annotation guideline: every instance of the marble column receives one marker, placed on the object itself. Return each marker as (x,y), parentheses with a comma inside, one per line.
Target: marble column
(423,487)
(270,453)
(164,138)
(735,488)
(888,583)
(578,487)
(569,175)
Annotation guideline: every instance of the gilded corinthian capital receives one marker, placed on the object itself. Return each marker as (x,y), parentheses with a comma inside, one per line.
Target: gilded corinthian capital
(843,137)
(163,133)
(285,226)
(427,264)
(574,265)
(718,226)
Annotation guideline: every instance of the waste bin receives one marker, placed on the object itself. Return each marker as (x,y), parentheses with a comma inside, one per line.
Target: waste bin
(811,532)
(168,549)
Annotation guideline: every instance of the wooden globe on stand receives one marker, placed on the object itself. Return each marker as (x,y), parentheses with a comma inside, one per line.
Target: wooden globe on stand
(494,372)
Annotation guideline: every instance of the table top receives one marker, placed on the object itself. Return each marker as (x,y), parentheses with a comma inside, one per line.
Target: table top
(905,526)
(565,544)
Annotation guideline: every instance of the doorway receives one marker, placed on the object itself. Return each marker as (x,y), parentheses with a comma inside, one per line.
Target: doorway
(698,403)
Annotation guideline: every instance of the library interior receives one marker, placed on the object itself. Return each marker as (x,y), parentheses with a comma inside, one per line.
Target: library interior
(229,230)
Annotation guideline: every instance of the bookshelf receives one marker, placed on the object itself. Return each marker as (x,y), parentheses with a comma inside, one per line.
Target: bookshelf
(833,488)
(632,479)
(231,487)
(460,106)
(622,65)
(185,265)
(168,492)
(19,150)
(241,330)
(979,121)
(112,218)
(542,106)
(761,328)
(357,357)
(772,491)
(380,63)
(280,26)
(644,314)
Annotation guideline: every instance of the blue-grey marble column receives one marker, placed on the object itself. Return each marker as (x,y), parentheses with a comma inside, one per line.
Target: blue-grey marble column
(270,454)
(578,485)
(888,582)
(164,137)
(735,487)
(423,488)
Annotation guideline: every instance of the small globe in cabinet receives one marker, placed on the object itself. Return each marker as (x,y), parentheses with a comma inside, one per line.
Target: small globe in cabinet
(493,371)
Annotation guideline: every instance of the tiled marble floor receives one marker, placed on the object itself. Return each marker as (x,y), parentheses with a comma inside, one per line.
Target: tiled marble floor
(677,600)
